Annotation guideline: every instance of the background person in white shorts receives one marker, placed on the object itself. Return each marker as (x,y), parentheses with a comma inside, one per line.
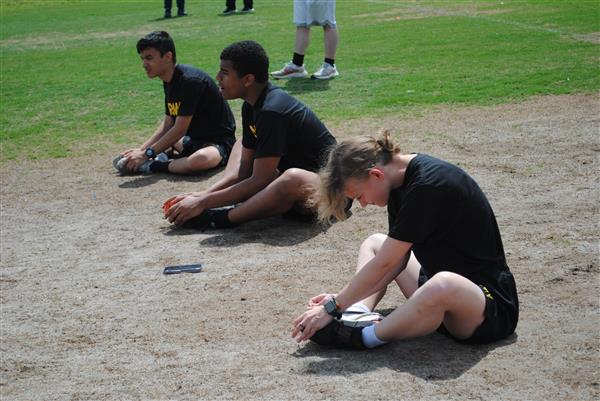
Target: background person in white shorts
(306,14)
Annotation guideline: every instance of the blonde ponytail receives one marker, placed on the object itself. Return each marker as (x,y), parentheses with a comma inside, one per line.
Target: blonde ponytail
(352,158)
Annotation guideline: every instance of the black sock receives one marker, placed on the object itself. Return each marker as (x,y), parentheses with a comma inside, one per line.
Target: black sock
(298,59)
(330,61)
(220,218)
(160,167)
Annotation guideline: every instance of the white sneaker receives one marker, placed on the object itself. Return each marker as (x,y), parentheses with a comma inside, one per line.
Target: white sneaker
(290,70)
(326,71)
(354,319)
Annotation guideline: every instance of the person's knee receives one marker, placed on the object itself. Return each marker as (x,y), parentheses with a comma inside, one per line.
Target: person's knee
(373,242)
(203,159)
(439,289)
(293,182)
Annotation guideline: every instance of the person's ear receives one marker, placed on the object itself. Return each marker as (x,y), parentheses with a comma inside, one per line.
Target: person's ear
(376,173)
(248,80)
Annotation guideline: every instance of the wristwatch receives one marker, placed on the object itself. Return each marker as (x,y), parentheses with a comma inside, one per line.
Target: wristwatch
(150,153)
(332,308)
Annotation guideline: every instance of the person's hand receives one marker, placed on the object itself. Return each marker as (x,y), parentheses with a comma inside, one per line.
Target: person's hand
(174,199)
(308,323)
(128,152)
(319,300)
(181,208)
(135,159)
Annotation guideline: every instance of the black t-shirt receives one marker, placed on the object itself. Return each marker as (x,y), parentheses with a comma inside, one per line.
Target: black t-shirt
(192,92)
(280,125)
(443,212)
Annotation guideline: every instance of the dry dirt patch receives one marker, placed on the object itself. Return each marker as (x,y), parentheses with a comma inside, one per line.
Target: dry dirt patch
(87,314)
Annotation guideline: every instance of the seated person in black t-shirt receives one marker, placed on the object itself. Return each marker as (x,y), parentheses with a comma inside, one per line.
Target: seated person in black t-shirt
(443,250)
(272,170)
(198,127)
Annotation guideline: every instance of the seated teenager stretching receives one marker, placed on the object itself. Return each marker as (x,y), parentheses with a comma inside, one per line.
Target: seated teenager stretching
(273,169)
(198,124)
(443,249)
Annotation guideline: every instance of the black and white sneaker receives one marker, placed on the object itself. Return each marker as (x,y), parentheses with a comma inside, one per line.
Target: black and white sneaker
(228,11)
(360,319)
(337,334)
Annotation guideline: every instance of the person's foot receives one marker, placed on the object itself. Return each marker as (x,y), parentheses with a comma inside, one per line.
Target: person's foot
(290,70)
(181,13)
(247,10)
(326,71)
(339,335)
(167,14)
(120,162)
(228,11)
(200,222)
(144,168)
(211,218)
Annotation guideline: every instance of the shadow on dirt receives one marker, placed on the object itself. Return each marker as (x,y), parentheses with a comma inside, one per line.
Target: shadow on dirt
(433,357)
(150,179)
(274,231)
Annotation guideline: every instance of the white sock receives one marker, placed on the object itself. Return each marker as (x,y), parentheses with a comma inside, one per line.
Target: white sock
(369,338)
(358,308)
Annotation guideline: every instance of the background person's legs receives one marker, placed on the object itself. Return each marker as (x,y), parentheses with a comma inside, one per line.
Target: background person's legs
(230,5)
(302,39)
(331,39)
(181,8)
(168,5)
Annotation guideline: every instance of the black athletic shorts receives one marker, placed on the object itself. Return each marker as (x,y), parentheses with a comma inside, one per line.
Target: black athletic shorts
(190,146)
(501,306)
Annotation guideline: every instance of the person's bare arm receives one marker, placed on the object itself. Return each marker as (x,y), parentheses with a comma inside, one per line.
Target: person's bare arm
(172,132)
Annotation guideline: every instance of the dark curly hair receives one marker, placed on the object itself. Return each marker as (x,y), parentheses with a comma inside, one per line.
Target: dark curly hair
(248,57)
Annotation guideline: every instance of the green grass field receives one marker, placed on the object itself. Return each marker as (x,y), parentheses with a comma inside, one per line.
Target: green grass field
(72,82)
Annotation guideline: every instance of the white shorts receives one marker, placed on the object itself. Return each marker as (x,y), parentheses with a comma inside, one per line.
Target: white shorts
(314,12)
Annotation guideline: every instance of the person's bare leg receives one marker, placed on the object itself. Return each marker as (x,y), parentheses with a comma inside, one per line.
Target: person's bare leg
(202,159)
(302,40)
(293,186)
(330,38)
(446,297)
(232,168)
(407,280)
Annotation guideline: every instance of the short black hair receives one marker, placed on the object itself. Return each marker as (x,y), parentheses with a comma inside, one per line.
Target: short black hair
(159,40)
(248,57)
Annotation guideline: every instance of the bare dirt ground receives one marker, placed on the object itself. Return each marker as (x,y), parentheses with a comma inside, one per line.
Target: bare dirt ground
(87,314)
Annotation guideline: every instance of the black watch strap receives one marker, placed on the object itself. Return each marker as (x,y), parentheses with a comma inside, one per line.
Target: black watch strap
(331,307)
(150,153)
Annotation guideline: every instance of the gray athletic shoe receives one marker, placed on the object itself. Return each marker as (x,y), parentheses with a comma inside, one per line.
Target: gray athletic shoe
(327,71)
(145,167)
(120,161)
(119,164)
(162,157)
(290,70)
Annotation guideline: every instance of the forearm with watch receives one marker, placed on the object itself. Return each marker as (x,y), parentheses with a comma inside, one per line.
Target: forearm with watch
(166,141)
(333,308)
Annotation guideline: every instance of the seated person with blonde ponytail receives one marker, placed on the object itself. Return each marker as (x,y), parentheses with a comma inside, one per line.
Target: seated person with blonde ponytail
(443,249)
